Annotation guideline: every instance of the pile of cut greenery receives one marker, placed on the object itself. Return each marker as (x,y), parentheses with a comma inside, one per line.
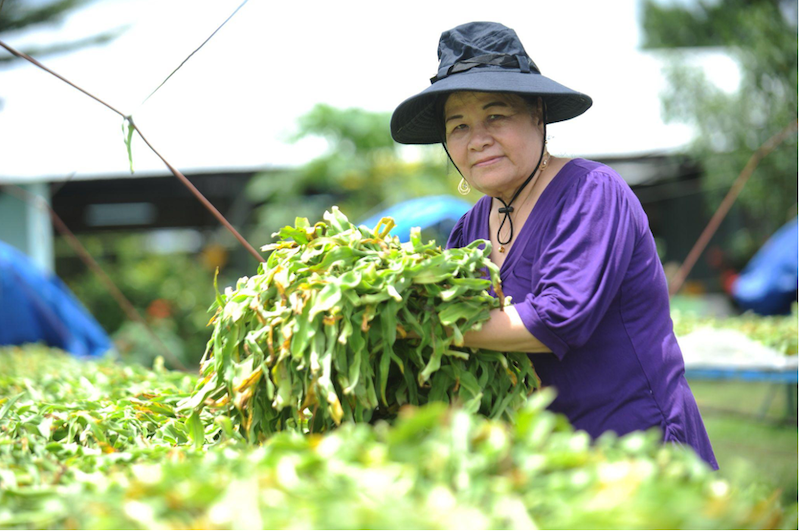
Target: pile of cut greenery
(317,336)
(778,332)
(99,445)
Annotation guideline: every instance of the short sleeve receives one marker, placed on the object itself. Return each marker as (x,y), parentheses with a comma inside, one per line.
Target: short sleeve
(455,240)
(582,265)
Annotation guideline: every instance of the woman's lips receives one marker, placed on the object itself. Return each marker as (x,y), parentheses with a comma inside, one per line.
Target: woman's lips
(487,161)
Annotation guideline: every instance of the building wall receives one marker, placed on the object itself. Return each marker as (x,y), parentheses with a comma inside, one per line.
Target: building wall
(26,225)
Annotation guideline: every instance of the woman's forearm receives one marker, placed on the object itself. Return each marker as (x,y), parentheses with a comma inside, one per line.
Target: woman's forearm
(504,332)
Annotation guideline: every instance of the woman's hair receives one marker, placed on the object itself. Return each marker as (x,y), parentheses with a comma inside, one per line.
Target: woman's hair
(534,104)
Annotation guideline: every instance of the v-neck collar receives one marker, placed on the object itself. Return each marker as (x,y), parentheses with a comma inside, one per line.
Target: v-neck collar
(550,191)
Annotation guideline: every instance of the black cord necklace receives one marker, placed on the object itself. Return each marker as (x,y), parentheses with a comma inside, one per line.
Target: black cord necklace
(507,209)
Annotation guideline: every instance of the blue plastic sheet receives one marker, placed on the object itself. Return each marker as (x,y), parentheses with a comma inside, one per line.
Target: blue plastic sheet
(423,212)
(768,284)
(38,308)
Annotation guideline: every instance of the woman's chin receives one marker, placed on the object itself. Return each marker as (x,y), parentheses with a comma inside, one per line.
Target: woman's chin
(497,187)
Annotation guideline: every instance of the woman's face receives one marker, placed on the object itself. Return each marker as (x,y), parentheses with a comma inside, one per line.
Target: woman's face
(493,138)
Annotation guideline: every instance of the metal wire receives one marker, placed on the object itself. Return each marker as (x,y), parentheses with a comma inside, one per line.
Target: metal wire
(174,171)
(196,50)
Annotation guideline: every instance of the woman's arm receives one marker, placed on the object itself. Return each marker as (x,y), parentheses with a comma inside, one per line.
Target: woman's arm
(504,332)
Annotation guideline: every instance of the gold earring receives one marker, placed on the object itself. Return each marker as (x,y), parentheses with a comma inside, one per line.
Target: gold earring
(463,187)
(545,159)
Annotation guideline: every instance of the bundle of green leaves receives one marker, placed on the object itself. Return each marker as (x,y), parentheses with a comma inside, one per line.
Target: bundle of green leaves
(344,323)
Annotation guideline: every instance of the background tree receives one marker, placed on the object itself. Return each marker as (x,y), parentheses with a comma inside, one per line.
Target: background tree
(172,292)
(761,35)
(362,171)
(16,15)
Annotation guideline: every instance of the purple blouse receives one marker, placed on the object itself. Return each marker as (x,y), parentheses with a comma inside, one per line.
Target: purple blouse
(585,277)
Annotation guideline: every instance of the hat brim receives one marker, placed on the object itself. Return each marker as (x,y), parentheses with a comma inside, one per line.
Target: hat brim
(414,120)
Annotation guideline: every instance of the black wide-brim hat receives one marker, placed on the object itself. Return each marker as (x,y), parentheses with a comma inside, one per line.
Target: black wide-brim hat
(481,57)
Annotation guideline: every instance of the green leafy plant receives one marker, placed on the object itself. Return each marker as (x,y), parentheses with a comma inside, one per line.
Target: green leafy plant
(98,445)
(316,337)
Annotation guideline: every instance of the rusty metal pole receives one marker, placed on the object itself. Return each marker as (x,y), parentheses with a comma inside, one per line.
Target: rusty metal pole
(676,282)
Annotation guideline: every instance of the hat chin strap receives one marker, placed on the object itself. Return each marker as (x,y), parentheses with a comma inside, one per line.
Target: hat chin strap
(507,209)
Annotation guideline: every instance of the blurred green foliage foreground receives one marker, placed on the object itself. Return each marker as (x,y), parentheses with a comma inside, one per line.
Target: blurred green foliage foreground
(98,445)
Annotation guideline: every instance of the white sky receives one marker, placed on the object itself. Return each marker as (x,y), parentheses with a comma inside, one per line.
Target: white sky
(234,102)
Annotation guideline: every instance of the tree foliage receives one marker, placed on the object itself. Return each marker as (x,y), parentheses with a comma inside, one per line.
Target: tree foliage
(17,15)
(362,171)
(172,292)
(761,36)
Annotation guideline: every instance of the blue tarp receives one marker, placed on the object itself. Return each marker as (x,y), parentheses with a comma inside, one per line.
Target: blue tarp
(423,212)
(768,284)
(39,308)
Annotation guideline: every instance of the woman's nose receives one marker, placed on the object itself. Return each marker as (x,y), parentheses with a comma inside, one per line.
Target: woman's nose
(480,138)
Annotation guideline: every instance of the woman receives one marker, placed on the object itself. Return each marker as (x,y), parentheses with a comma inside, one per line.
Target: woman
(589,296)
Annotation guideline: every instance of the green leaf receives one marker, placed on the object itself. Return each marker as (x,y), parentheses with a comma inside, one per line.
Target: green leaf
(9,403)
(127,131)
(326,299)
(195,429)
(452,313)
(383,372)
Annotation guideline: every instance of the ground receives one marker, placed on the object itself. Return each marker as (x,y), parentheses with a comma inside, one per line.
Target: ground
(752,436)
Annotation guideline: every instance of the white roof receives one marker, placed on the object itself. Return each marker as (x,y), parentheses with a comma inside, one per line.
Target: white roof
(232,105)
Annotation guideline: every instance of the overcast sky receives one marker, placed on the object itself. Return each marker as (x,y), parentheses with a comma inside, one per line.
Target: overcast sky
(235,101)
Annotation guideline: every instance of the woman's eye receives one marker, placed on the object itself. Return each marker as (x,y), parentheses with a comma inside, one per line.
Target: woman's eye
(459,127)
